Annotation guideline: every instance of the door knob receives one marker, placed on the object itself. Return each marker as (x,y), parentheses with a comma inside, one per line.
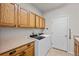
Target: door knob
(69,33)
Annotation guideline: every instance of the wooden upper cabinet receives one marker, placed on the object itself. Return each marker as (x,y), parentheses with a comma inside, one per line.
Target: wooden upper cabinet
(42,22)
(13,15)
(31,20)
(23,18)
(8,12)
(37,21)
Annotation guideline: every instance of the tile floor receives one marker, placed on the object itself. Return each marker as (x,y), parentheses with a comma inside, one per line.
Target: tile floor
(55,52)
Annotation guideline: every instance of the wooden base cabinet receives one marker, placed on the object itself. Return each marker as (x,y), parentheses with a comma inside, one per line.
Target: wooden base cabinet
(25,50)
(29,52)
(76,48)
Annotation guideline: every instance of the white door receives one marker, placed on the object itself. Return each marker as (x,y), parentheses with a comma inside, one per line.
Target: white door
(60,33)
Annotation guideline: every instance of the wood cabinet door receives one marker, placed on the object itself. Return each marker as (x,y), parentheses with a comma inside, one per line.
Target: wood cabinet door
(8,14)
(29,51)
(37,22)
(20,54)
(43,25)
(31,20)
(78,49)
(41,22)
(75,48)
(0,14)
(23,18)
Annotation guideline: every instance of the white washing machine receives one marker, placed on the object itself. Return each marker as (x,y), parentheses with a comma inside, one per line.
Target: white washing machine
(42,46)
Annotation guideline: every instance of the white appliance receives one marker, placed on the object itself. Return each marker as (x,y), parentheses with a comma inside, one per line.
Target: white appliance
(42,46)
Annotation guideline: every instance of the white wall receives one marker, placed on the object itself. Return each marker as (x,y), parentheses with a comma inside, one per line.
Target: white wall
(7,33)
(72,12)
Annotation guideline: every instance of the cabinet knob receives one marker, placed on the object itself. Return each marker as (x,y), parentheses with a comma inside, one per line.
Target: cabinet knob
(28,45)
(12,52)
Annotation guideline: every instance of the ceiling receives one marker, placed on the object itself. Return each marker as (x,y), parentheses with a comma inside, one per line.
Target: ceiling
(45,7)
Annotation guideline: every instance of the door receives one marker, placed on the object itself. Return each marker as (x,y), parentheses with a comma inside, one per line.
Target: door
(60,33)
(32,20)
(23,18)
(8,14)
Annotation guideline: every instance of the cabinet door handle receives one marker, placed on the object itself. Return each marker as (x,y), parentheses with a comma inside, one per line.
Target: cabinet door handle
(28,45)
(69,33)
(12,52)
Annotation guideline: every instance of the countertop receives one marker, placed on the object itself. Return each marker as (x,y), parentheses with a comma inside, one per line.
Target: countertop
(77,38)
(11,44)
